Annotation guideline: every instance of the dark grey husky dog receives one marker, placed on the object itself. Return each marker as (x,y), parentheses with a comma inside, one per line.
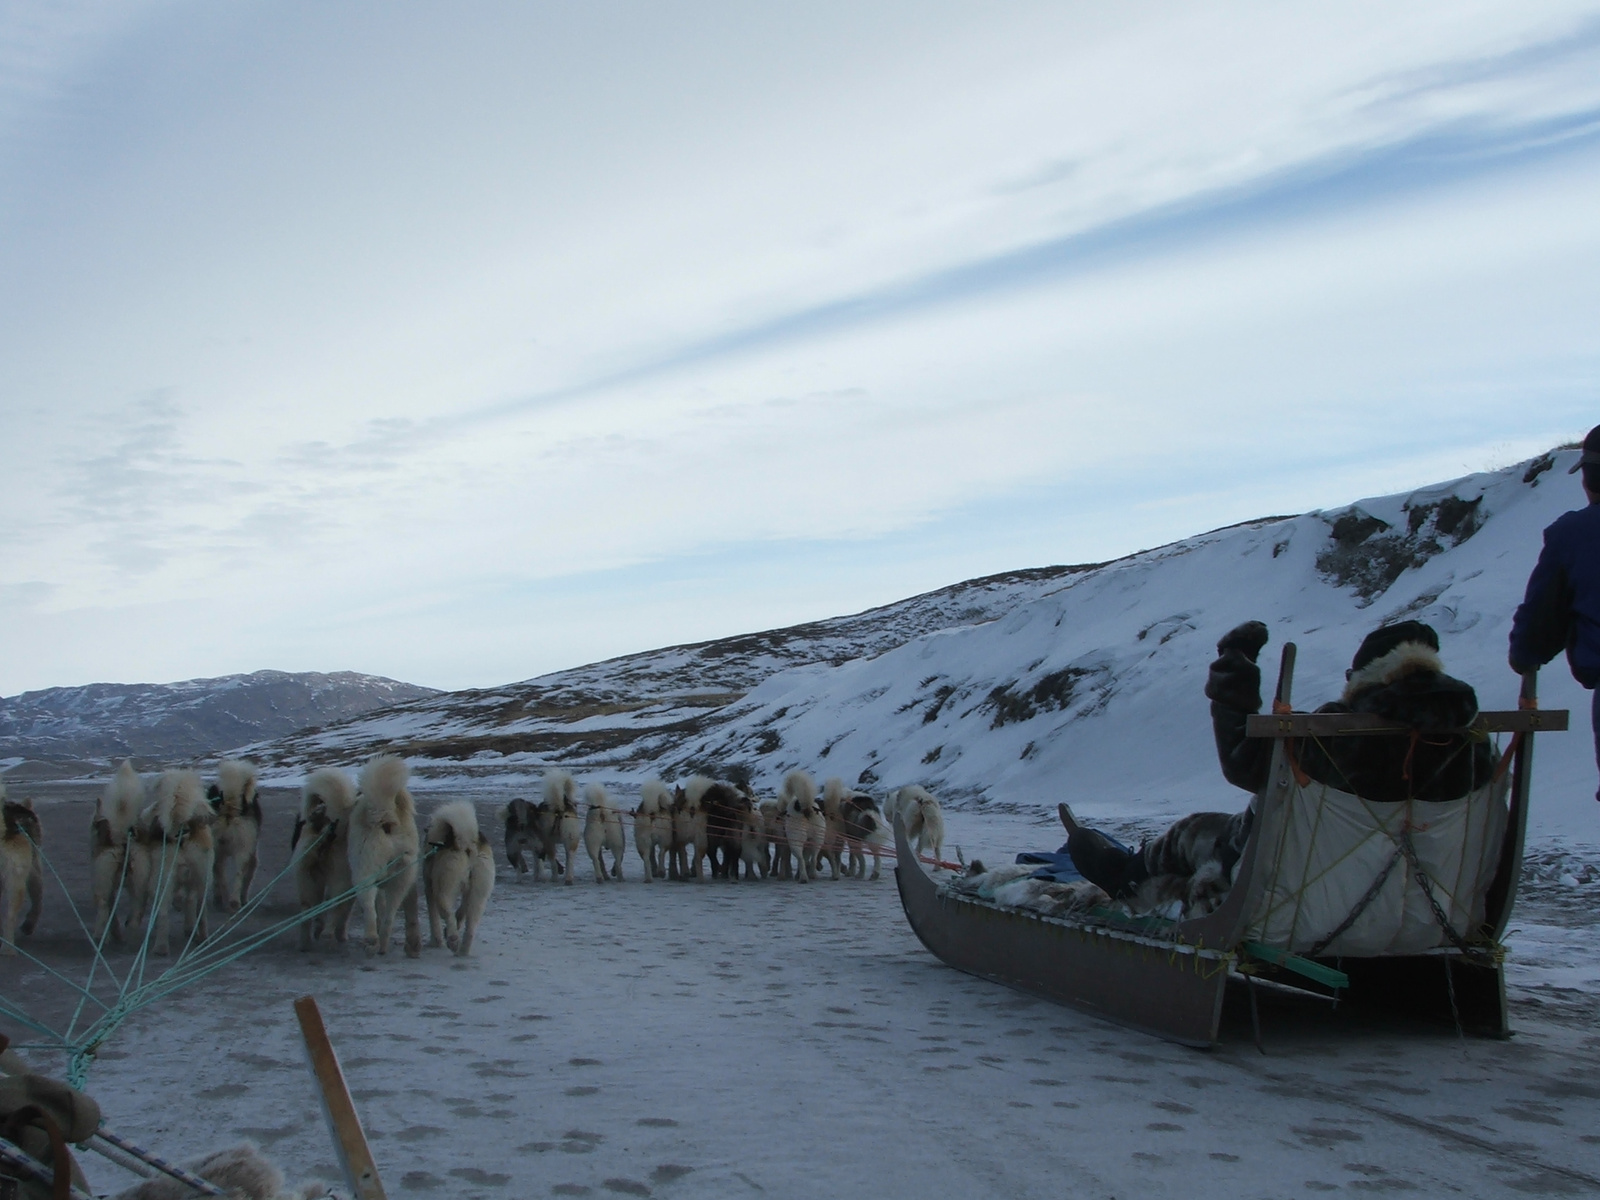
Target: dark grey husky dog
(531,828)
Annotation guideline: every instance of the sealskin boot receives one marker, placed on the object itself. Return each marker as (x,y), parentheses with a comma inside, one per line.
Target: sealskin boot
(1106,863)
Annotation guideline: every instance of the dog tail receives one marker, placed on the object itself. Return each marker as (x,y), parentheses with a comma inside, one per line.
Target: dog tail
(560,789)
(180,798)
(237,778)
(696,789)
(597,796)
(454,826)
(799,789)
(123,798)
(331,788)
(654,797)
(834,794)
(383,778)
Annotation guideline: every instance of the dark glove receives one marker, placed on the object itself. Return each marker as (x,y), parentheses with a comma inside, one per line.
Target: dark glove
(1235,682)
(1247,639)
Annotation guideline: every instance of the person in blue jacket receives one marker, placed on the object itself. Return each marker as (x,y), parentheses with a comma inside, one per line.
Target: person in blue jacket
(1561,610)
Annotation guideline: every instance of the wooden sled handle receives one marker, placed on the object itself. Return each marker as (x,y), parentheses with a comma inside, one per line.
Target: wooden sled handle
(360,1171)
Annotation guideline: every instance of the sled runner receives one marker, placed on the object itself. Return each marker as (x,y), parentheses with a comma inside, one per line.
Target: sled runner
(1397,907)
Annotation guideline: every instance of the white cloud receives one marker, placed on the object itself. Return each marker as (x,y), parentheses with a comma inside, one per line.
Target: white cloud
(341,326)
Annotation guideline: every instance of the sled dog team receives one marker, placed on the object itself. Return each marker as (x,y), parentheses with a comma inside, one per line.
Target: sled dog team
(181,847)
(706,827)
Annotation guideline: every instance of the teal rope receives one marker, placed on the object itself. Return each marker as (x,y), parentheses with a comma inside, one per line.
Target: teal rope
(193,963)
(191,968)
(111,920)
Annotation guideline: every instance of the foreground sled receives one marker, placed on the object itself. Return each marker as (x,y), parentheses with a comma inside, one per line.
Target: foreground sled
(1333,894)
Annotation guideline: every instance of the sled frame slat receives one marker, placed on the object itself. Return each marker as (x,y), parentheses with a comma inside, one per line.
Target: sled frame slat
(349,1139)
(1278,725)
(1311,969)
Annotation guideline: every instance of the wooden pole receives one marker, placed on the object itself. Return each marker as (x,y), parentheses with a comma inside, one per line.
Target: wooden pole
(349,1140)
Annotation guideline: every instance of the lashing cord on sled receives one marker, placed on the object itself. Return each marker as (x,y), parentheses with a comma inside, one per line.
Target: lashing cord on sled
(1405,848)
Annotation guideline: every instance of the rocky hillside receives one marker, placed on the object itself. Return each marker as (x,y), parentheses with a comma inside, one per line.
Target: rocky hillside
(177,722)
(642,708)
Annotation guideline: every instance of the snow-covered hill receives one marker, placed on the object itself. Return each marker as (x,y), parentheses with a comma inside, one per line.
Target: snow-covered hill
(645,708)
(165,722)
(1081,684)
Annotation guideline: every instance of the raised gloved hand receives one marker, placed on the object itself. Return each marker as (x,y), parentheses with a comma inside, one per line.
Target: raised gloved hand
(1235,679)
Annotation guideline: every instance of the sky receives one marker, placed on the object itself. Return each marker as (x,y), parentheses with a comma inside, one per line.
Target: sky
(461,343)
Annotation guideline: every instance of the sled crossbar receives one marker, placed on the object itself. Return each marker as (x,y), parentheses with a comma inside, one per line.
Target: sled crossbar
(1277,725)
(1311,969)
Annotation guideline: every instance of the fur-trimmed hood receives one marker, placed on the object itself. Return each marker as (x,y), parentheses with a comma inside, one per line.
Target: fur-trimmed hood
(1404,659)
(1408,685)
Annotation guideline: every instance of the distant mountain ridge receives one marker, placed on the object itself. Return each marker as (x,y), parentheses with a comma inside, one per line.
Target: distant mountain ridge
(195,718)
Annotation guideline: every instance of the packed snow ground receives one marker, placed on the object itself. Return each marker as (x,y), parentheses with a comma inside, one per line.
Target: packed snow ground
(790,1040)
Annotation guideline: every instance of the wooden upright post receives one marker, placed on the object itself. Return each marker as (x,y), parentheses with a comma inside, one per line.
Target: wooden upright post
(349,1140)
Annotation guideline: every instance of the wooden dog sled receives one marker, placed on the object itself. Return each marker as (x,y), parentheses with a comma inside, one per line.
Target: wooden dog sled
(1428,901)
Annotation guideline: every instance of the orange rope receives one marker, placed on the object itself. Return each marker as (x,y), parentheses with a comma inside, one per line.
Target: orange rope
(1280,708)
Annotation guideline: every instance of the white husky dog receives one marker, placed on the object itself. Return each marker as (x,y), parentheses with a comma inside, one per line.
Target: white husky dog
(834,796)
(236,829)
(799,802)
(689,828)
(561,794)
(920,813)
(776,840)
(865,833)
(322,867)
(115,814)
(752,838)
(652,827)
(384,851)
(21,870)
(457,876)
(172,858)
(602,830)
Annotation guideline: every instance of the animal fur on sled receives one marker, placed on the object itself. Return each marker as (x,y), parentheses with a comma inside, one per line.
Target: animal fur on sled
(384,848)
(457,876)
(236,829)
(21,871)
(321,844)
(115,814)
(242,1172)
(172,858)
(1013,886)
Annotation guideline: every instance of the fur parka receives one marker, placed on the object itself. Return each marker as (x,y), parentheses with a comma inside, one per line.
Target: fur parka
(1442,761)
